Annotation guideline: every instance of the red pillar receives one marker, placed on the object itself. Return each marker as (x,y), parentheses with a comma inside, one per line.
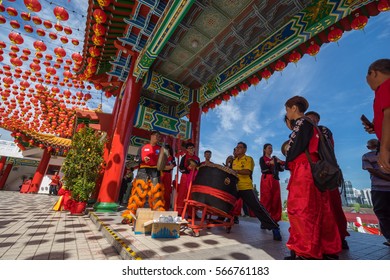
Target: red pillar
(40,172)
(195,114)
(5,175)
(112,178)
(2,163)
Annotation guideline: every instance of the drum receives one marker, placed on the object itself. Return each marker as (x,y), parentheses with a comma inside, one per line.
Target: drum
(162,159)
(216,186)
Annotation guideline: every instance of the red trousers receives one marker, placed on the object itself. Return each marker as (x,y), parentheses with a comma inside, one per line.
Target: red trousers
(166,179)
(313,229)
(270,196)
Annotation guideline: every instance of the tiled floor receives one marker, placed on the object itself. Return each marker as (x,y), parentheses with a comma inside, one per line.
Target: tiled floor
(29,229)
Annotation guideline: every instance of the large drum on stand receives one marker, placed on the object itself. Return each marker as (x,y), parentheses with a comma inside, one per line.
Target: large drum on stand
(216,186)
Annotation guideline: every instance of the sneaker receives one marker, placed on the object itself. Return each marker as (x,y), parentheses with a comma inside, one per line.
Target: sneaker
(276,233)
(292,256)
(330,257)
(344,244)
(236,220)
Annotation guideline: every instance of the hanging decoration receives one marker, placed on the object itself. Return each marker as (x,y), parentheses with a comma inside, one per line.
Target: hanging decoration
(359,22)
(294,57)
(60,13)
(33,5)
(313,49)
(384,5)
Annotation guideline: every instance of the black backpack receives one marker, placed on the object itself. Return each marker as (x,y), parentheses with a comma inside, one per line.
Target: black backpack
(326,172)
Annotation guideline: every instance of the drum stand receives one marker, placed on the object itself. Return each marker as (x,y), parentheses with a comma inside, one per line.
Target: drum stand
(207,221)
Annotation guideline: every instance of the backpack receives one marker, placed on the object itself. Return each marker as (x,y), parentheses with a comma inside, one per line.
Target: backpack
(326,172)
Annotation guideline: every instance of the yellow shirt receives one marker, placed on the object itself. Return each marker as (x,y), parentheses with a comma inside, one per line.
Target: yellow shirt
(244,181)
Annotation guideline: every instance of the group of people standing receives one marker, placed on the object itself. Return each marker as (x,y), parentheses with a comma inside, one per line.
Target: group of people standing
(318,226)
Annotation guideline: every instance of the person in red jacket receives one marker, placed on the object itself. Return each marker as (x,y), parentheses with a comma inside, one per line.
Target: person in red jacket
(147,181)
(55,181)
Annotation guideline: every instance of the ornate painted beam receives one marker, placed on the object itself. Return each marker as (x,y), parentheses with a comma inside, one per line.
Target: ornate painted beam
(171,19)
(317,17)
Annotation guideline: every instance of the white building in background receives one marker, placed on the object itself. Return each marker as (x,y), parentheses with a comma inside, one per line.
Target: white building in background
(348,197)
(366,196)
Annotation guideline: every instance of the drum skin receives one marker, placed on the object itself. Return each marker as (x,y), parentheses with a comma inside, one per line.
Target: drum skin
(162,159)
(215,186)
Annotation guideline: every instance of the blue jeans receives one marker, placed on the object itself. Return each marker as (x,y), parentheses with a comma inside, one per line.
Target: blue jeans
(53,189)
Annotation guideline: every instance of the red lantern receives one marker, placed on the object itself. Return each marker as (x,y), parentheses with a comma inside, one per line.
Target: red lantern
(39,55)
(359,22)
(53,36)
(58,27)
(254,80)
(99,29)
(35,67)
(39,46)
(60,52)
(280,65)
(244,86)
(384,5)
(48,24)
(104,3)
(226,96)
(25,16)
(92,61)
(36,20)
(2,20)
(313,49)
(266,74)
(67,30)
(60,13)
(75,42)
(335,34)
(16,62)
(41,32)
(16,38)
(294,57)
(13,55)
(15,48)
(77,57)
(2,45)
(33,5)
(98,40)
(99,16)
(64,39)
(28,28)
(234,92)
(12,11)
(14,24)
(94,51)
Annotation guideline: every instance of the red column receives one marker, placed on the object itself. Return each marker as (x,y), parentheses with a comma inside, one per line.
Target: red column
(6,172)
(195,114)
(2,163)
(40,172)
(112,178)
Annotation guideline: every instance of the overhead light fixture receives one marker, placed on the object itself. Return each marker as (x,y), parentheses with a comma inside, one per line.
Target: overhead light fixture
(194,43)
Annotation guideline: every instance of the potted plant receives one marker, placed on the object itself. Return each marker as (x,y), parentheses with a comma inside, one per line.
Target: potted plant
(82,166)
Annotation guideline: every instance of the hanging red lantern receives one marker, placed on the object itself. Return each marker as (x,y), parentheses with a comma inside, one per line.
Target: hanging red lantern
(28,28)
(41,32)
(99,29)
(33,5)
(38,55)
(13,55)
(15,48)
(17,62)
(60,52)
(48,57)
(1,58)
(384,5)
(2,8)
(94,51)
(24,57)
(359,22)
(335,34)
(39,46)
(12,11)
(2,20)
(14,24)
(104,3)
(60,13)
(87,96)
(58,27)
(75,42)
(98,86)
(254,80)
(280,65)
(99,16)
(48,24)
(2,45)
(64,39)
(98,40)
(92,61)
(47,63)
(244,86)
(234,92)
(266,74)
(25,16)
(36,20)
(294,57)
(226,96)
(77,57)
(67,30)
(53,36)
(35,67)
(16,38)
(313,49)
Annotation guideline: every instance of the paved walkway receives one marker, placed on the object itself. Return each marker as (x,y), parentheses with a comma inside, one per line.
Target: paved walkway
(29,229)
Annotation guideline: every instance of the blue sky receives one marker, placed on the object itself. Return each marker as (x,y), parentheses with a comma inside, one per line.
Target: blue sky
(334,84)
